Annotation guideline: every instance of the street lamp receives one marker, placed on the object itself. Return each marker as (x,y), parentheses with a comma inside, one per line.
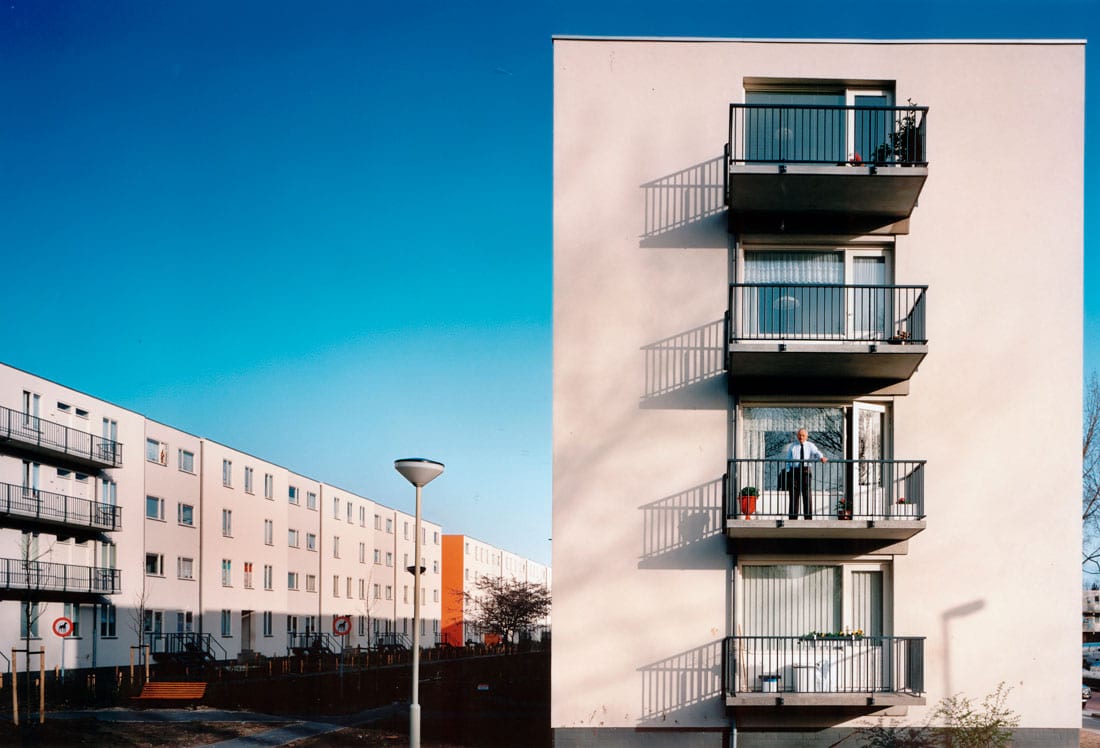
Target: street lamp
(419,472)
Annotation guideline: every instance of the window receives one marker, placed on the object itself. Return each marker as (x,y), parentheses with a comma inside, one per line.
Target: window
(108,489)
(248,575)
(28,620)
(269,532)
(81,413)
(227,523)
(185,622)
(154,622)
(292,494)
(336,546)
(267,623)
(311,582)
(389,559)
(185,568)
(351,512)
(406,530)
(378,522)
(156,451)
(227,573)
(185,514)
(154,508)
(435,567)
(389,526)
(362,623)
(269,576)
(362,589)
(311,541)
(336,507)
(435,537)
(154,564)
(269,486)
(377,592)
(348,588)
(405,558)
(362,553)
(405,594)
(389,592)
(108,619)
(336,585)
(377,556)
(467,549)
(362,516)
(292,580)
(311,500)
(248,480)
(435,596)
(186,461)
(292,624)
(292,538)
(64,474)
(227,622)
(227,473)
(72,612)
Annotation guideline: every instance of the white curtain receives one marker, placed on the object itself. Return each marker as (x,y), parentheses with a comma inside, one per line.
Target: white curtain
(790,600)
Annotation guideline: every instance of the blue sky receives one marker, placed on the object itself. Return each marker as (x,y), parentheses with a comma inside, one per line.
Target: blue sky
(320,232)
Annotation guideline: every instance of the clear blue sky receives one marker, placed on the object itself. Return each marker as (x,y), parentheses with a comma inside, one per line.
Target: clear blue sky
(320,232)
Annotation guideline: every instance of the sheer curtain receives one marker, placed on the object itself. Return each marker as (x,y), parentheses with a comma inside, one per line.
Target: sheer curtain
(790,600)
(802,295)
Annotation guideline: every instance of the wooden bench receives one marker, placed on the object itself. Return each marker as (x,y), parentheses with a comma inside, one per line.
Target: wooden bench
(172,691)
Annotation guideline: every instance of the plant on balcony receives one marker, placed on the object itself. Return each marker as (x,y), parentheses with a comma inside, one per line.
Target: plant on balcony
(748,501)
(844,509)
(845,635)
(905,145)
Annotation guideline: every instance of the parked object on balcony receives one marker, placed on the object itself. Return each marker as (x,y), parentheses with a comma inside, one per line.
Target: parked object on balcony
(769,683)
(844,509)
(899,337)
(748,501)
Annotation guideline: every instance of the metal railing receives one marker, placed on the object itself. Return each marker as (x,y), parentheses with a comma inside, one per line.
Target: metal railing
(38,432)
(33,503)
(844,489)
(313,642)
(187,644)
(823,664)
(821,134)
(827,312)
(17,574)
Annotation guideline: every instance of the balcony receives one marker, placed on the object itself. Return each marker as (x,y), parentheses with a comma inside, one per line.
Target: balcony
(790,338)
(840,169)
(30,507)
(21,579)
(825,671)
(70,446)
(862,501)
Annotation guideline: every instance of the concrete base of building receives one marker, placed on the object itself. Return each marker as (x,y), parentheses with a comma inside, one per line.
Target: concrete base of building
(625,737)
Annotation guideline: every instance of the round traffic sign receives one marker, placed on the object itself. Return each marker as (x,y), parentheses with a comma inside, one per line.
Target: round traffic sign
(63,626)
(341,625)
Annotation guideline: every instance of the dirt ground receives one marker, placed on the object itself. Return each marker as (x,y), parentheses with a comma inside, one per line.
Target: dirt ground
(1089,739)
(67,732)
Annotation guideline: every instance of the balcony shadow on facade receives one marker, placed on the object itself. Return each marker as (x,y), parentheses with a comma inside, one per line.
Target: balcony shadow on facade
(685,530)
(674,687)
(686,209)
(687,370)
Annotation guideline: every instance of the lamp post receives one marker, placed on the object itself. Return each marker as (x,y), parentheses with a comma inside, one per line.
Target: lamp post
(419,472)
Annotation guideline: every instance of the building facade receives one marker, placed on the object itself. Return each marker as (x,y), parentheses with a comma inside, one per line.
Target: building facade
(121,531)
(752,238)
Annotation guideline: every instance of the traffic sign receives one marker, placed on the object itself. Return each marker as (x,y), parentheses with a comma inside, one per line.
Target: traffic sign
(341,625)
(63,626)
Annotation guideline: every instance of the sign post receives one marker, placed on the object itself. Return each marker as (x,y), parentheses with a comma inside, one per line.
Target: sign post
(63,627)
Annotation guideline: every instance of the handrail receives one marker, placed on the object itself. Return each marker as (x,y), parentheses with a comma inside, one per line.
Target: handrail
(827,312)
(34,503)
(32,430)
(823,663)
(19,574)
(840,489)
(828,134)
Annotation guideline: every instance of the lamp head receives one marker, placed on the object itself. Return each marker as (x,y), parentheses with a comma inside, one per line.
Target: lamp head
(418,471)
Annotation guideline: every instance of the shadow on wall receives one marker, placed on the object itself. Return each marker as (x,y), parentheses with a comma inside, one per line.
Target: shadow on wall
(687,370)
(674,685)
(681,531)
(686,209)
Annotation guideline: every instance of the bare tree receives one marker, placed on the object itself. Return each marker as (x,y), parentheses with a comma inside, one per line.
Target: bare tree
(1090,479)
(506,606)
(136,620)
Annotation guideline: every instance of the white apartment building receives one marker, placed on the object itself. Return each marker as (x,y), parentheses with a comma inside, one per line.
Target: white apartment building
(139,533)
(865,240)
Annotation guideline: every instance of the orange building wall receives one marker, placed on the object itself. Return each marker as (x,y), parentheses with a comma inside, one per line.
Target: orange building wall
(452,603)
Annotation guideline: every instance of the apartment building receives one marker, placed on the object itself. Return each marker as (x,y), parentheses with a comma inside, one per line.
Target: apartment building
(864,240)
(466,560)
(135,532)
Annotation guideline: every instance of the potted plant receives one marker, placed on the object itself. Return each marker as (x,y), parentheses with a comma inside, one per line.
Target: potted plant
(844,509)
(907,141)
(748,501)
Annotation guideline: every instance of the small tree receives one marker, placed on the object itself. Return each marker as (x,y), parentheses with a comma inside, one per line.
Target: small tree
(969,725)
(507,606)
(1090,479)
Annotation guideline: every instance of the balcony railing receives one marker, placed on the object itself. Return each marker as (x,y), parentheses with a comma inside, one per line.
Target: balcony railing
(854,665)
(840,489)
(827,313)
(834,135)
(42,576)
(56,508)
(188,645)
(42,435)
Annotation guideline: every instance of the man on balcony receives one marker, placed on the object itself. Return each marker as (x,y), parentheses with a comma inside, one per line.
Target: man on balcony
(799,456)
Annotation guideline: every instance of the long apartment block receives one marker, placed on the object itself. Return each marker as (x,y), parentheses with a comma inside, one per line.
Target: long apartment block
(861,242)
(135,532)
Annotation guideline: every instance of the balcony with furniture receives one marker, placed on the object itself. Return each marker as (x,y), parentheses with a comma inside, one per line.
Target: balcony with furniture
(30,508)
(801,168)
(62,444)
(791,338)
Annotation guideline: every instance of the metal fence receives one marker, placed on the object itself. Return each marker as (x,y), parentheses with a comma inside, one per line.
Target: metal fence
(845,489)
(33,503)
(823,664)
(38,432)
(827,312)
